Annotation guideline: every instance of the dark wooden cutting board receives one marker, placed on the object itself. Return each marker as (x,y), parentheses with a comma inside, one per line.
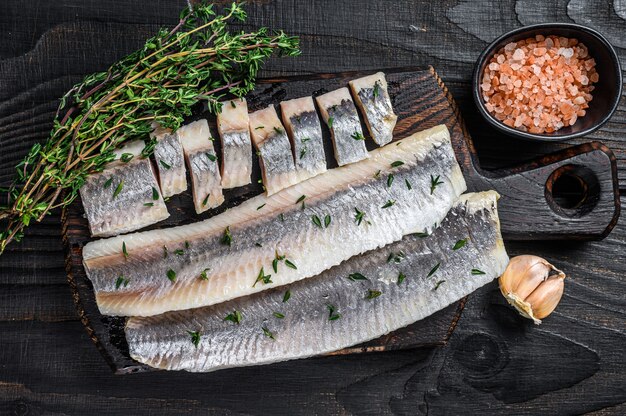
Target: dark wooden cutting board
(528,209)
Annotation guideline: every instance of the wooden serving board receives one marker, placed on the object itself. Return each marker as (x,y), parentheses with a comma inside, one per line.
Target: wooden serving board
(527,208)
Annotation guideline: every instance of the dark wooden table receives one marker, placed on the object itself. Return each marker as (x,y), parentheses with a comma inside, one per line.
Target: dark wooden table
(495,362)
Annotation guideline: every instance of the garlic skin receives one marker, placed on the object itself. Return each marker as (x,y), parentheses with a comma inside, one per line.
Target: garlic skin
(533,286)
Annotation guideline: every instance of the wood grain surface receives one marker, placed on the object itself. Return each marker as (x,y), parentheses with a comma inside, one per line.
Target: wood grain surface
(494,363)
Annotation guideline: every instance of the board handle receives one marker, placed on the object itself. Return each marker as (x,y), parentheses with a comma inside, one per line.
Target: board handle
(571,194)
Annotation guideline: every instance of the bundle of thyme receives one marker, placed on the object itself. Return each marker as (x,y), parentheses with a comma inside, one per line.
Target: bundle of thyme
(198,60)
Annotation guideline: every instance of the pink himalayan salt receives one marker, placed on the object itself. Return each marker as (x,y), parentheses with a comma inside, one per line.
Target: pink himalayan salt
(539,84)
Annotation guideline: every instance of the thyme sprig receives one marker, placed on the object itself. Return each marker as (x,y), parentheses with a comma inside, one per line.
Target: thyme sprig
(199,60)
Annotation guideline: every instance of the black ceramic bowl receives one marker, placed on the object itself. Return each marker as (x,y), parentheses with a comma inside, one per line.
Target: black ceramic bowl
(606,94)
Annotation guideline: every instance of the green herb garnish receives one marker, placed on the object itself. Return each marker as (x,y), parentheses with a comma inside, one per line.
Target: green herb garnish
(260,206)
(118,189)
(356,276)
(330,122)
(165,164)
(397,163)
(234,317)
(459,244)
(376,90)
(171,274)
(155,194)
(286,296)
(124,249)
(477,272)
(262,277)
(389,203)
(179,252)
(358,217)
(203,275)
(332,316)
(357,136)
(434,183)
(195,337)
(408,184)
(278,315)
(389,180)
(227,238)
(401,278)
(316,220)
(211,157)
(434,269)
(268,333)
(290,264)
(327,220)
(438,284)
(126,157)
(121,281)
(108,183)
(372,294)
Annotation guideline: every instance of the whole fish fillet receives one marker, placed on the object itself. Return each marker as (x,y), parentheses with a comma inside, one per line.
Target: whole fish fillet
(206,182)
(274,150)
(125,196)
(232,254)
(170,162)
(342,119)
(234,129)
(372,97)
(305,132)
(335,309)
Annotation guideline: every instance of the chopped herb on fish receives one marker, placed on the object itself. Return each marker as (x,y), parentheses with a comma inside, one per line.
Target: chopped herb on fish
(108,183)
(434,183)
(290,264)
(124,249)
(373,294)
(421,235)
(203,275)
(278,130)
(260,206)
(434,269)
(302,198)
(195,337)
(316,220)
(358,217)
(401,278)
(126,157)
(262,277)
(118,189)
(155,194)
(357,136)
(206,199)
(187,244)
(121,281)
(327,220)
(268,333)
(232,104)
(332,316)
(330,122)
(165,164)
(377,174)
(286,296)
(211,157)
(258,244)
(459,244)
(396,257)
(389,180)
(302,152)
(282,217)
(275,265)
(397,163)
(148,204)
(477,272)
(234,317)
(439,283)
(227,238)
(278,315)
(389,203)
(259,127)
(179,252)
(408,184)
(356,276)
(171,274)
(376,90)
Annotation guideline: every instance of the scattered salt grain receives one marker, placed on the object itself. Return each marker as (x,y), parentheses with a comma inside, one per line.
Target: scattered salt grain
(539,84)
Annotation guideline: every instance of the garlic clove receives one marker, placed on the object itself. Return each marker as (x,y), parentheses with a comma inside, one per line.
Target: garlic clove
(532,286)
(544,301)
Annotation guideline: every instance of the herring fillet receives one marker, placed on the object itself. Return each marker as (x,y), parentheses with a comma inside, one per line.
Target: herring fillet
(203,165)
(315,238)
(305,330)
(233,126)
(305,132)
(342,119)
(170,162)
(120,198)
(372,97)
(274,150)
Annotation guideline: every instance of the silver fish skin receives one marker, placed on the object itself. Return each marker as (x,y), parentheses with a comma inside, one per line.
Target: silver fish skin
(170,162)
(305,132)
(334,310)
(133,207)
(371,95)
(341,117)
(233,125)
(206,182)
(274,150)
(164,266)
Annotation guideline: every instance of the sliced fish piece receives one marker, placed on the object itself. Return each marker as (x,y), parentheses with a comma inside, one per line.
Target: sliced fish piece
(274,150)
(233,125)
(206,182)
(236,250)
(372,97)
(362,299)
(342,119)
(125,196)
(170,162)
(305,132)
